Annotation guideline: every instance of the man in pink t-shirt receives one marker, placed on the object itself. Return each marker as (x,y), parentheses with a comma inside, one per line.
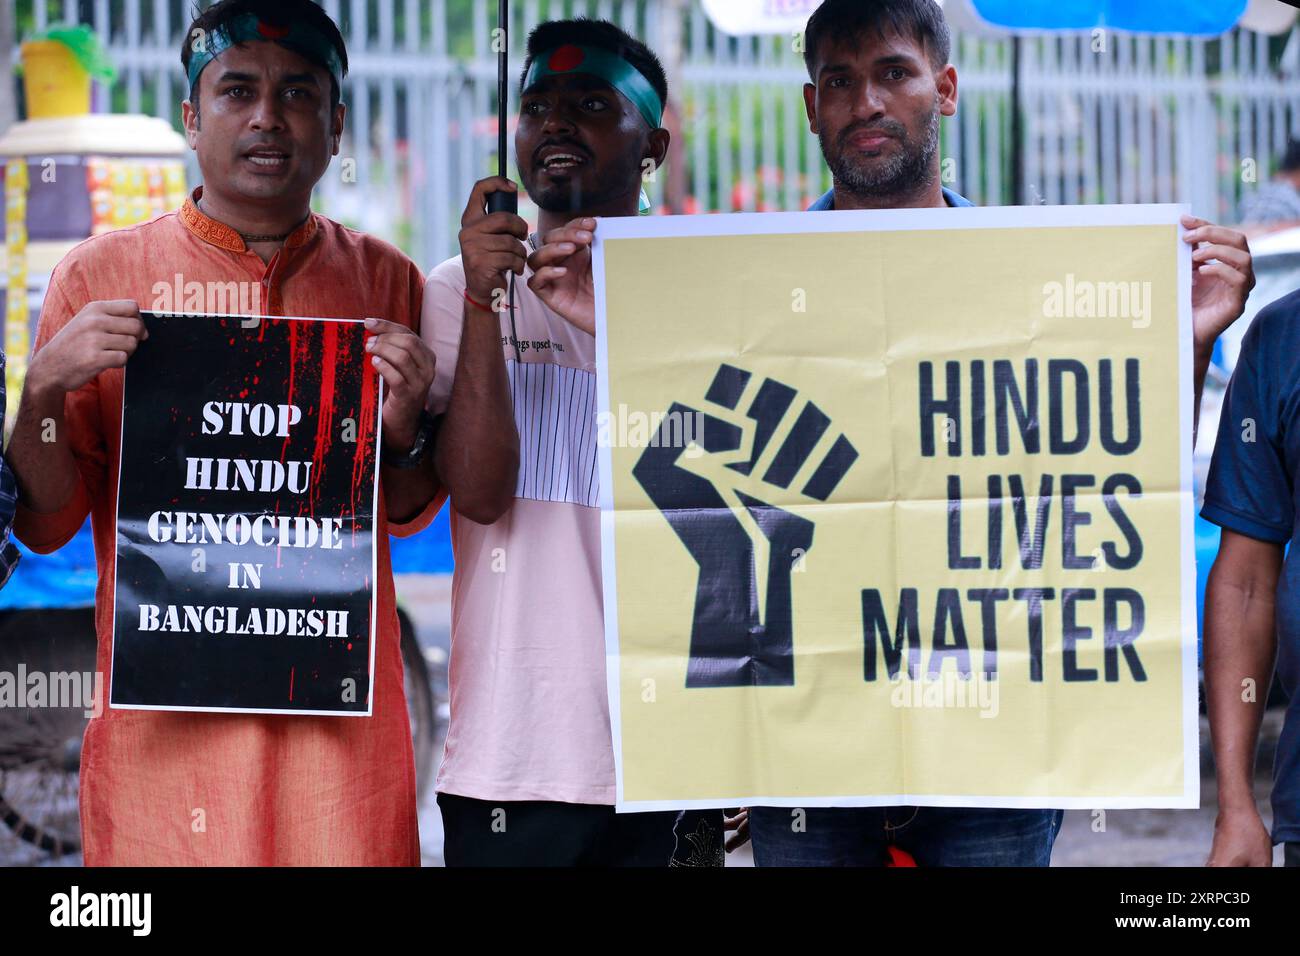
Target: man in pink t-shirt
(528,775)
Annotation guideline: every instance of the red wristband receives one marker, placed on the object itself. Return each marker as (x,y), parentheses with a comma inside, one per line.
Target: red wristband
(477,304)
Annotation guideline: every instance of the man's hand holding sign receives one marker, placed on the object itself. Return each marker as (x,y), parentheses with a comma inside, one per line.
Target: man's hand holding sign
(562,273)
(101,336)
(1222,277)
(406,365)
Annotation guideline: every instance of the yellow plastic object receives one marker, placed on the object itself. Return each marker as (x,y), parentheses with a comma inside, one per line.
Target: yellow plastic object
(17,339)
(56,84)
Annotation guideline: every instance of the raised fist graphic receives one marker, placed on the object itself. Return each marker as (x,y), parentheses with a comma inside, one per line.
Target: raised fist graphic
(740,637)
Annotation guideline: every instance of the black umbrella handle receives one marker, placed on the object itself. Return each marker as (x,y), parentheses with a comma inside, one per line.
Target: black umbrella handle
(502,201)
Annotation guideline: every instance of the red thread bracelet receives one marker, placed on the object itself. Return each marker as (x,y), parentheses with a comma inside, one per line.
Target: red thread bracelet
(476,304)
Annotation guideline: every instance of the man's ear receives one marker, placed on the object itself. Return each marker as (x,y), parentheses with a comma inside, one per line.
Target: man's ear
(657,147)
(336,132)
(810,106)
(946,82)
(190,120)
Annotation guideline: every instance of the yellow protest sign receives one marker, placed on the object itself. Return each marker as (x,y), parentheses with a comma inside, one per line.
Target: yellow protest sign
(897,508)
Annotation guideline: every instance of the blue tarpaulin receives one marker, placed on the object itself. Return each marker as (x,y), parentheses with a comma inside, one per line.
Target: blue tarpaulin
(1198,18)
(66,578)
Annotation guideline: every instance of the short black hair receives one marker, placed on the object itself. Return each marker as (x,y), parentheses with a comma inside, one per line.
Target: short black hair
(849,21)
(603,35)
(275,12)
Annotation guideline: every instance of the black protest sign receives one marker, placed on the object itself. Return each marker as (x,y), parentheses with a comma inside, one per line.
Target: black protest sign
(246,514)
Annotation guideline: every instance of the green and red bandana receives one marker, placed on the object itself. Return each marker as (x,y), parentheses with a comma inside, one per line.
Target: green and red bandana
(301,38)
(608,66)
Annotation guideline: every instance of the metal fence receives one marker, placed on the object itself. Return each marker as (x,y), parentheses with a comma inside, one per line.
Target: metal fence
(1120,119)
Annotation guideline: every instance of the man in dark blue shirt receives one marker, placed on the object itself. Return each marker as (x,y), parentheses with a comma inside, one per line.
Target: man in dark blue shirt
(1252,600)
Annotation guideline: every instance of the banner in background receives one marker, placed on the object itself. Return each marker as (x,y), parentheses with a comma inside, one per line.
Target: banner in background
(897,508)
(744,17)
(245,524)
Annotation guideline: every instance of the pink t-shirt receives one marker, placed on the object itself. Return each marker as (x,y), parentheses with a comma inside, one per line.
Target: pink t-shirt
(529,712)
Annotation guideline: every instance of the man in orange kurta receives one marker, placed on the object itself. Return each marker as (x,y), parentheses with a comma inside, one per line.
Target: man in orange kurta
(169,788)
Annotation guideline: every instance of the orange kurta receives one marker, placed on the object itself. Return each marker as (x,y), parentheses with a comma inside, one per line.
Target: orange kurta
(169,788)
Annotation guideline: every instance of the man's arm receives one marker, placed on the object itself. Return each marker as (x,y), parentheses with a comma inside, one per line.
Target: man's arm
(1200,367)
(406,365)
(46,472)
(477,454)
(1222,276)
(408,491)
(1240,646)
(102,335)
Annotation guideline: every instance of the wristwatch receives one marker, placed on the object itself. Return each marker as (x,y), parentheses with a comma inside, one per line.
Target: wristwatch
(424,435)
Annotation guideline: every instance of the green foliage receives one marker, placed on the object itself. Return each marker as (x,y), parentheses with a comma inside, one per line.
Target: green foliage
(86,48)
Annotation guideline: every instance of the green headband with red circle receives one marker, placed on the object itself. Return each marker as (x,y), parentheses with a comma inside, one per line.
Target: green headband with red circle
(603,64)
(301,38)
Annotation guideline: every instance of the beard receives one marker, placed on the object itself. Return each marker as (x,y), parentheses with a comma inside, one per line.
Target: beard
(910,168)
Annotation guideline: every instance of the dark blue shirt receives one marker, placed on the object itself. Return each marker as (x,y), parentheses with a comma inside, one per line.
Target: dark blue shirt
(1252,490)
